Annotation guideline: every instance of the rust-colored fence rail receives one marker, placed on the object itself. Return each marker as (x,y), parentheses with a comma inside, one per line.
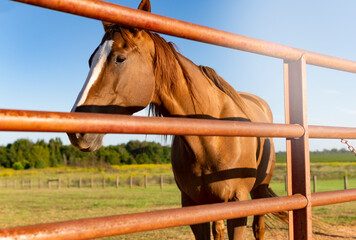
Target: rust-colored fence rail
(296,130)
(138,222)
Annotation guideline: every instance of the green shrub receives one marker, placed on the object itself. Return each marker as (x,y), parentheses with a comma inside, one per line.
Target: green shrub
(17,166)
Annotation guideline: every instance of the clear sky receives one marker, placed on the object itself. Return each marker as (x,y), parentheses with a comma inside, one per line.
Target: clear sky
(44,56)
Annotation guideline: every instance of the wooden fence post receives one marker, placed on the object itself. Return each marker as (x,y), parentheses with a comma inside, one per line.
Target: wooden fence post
(22,183)
(345,182)
(130,181)
(145,181)
(59,183)
(314,184)
(117,181)
(161,181)
(49,184)
(80,182)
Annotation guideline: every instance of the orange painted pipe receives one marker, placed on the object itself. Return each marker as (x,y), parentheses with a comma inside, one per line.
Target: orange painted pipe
(36,121)
(39,121)
(138,222)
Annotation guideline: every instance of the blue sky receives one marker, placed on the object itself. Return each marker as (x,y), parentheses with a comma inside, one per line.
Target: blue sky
(44,55)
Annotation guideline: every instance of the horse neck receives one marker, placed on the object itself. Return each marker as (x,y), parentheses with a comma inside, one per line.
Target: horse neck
(197,97)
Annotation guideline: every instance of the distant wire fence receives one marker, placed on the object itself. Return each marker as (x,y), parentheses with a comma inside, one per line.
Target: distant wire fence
(125,182)
(87,182)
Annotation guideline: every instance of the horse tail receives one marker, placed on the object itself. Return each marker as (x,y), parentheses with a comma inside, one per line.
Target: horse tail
(319,227)
(282,216)
(265,191)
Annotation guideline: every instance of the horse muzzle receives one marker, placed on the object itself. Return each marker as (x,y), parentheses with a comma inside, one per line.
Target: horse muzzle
(86,142)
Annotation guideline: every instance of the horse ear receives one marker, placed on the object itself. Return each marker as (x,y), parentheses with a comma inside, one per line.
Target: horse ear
(145,5)
(106,25)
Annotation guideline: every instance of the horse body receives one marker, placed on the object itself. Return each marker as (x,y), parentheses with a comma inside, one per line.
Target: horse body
(134,68)
(205,168)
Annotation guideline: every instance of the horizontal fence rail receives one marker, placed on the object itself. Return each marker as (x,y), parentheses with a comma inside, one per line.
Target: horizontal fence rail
(130,17)
(139,222)
(39,121)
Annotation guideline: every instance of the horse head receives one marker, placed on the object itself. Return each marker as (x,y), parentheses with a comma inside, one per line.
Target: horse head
(121,79)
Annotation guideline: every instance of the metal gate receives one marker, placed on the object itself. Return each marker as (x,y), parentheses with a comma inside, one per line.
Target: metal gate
(297,131)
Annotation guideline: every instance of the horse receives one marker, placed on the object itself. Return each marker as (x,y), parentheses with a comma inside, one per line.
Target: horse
(135,68)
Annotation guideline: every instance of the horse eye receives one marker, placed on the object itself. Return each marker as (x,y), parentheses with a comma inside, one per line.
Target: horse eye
(120,59)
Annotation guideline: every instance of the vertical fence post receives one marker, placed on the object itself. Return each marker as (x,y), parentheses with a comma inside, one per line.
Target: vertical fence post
(298,162)
(345,182)
(117,181)
(59,183)
(145,181)
(314,184)
(80,182)
(22,183)
(130,181)
(161,181)
(49,183)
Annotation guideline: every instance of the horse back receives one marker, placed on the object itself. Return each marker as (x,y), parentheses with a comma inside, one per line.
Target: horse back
(260,107)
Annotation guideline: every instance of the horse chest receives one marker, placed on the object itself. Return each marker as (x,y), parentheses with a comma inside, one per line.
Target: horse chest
(214,178)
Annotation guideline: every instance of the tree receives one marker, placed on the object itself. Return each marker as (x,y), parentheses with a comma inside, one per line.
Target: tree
(55,158)
(40,156)
(23,153)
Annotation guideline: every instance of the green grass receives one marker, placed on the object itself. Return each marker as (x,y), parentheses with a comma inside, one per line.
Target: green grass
(19,206)
(320,157)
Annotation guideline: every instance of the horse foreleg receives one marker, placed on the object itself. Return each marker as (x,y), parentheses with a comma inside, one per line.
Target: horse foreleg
(236,227)
(218,230)
(200,231)
(258,226)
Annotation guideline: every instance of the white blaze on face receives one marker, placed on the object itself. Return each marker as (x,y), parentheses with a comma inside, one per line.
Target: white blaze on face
(98,62)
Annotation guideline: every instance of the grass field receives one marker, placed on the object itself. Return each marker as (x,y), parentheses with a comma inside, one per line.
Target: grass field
(19,206)
(322,157)
(31,206)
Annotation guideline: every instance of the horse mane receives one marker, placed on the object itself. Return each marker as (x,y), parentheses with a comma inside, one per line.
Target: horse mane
(166,70)
(226,88)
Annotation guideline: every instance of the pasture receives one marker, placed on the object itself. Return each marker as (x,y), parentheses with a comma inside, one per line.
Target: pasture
(19,206)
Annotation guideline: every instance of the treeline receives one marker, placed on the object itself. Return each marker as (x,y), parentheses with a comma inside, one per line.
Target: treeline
(25,154)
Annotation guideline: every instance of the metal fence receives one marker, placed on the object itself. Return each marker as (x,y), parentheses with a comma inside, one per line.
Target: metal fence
(296,130)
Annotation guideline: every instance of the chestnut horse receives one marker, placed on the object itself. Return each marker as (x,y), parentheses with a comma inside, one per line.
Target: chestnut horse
(133,68)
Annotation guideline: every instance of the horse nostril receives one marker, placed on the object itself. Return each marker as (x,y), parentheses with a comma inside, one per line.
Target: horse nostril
(78,135)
